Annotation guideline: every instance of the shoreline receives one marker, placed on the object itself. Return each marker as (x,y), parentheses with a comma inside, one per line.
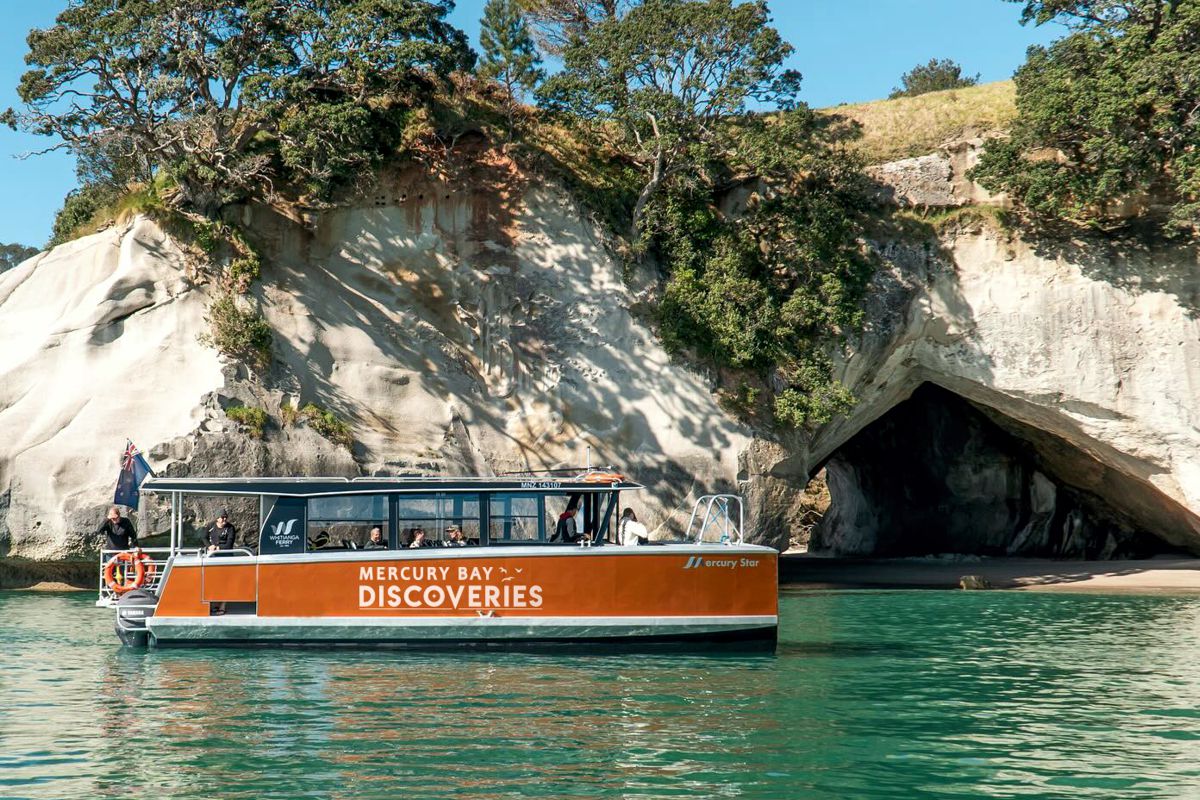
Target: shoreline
(1170,574)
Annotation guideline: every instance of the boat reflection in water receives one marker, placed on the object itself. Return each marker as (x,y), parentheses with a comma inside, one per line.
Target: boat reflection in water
(461,561)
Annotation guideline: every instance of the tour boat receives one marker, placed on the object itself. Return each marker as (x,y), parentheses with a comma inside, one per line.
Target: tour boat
(510,580)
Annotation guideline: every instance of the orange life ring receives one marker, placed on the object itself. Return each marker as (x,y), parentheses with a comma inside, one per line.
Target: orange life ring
(603,477)
(143,570)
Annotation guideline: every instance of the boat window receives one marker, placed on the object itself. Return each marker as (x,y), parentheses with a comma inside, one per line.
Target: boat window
(514,518)
(434,514)
(345,522)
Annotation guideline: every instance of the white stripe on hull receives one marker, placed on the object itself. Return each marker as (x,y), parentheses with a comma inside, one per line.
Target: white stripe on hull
(236,627)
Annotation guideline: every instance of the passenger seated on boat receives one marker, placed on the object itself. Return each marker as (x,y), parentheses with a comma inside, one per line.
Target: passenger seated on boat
(376,541)
(418,539)
(566,530)
(630,531)
(454,537)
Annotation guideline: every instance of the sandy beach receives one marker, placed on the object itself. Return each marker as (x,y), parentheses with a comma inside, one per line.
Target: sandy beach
(801,571)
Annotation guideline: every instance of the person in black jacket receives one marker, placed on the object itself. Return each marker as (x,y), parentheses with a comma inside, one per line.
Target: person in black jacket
(376,540)
(118,531)
(221,534)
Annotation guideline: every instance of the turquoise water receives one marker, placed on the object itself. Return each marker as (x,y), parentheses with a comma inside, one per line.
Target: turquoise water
(871,695)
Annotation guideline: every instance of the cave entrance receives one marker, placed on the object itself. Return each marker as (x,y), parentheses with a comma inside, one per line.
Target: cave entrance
(938,474)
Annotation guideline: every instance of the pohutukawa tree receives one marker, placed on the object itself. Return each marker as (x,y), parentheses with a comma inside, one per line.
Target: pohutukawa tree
(229,96)
(555,22)
(668,75)
(1109,113)
(509,53)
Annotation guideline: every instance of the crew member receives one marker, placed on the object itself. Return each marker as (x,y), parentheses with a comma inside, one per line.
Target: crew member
(566,530)
(222,534)
(118,531)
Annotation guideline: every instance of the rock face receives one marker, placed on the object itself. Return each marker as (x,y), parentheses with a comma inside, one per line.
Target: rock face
(99,343)
(1086,352)
(459,326)
(476,323)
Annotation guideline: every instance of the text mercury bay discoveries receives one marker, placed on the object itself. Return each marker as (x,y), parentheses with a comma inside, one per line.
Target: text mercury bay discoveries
(442,587)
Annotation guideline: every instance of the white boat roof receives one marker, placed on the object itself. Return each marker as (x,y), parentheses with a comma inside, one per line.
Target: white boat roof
(323,486)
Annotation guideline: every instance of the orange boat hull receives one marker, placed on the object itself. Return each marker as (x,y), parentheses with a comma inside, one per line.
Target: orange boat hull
(472,595)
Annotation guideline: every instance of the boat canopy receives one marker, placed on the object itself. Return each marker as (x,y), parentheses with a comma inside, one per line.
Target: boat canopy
(316,487)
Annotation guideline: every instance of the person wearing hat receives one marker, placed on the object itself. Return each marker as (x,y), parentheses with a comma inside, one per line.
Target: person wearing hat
(454,537)
(221,534)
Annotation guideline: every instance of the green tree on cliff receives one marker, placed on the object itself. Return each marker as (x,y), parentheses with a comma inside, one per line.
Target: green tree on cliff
(556,22)
(936,76)
(230,97)
(1110,113)
(667,76)
(13,254)
(509,54)
(761,289)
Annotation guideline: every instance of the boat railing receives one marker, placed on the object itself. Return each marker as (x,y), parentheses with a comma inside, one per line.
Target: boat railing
(155,565)
(712,517)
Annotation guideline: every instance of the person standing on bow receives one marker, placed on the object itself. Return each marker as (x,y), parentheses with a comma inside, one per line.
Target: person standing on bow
(222,534)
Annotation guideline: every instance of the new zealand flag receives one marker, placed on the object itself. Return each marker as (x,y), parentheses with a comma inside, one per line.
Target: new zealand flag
(134,470)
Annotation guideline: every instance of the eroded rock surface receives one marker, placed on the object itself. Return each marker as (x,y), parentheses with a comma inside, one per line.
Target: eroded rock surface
(475,323)
(459,326)
(1090,352)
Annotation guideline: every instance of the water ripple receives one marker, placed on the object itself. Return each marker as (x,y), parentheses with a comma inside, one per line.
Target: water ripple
(872,695)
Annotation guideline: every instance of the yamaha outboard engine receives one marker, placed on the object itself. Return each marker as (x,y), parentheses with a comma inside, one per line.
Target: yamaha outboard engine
(132,611)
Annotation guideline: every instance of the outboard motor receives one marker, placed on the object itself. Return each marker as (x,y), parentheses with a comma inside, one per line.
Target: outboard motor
(132,610)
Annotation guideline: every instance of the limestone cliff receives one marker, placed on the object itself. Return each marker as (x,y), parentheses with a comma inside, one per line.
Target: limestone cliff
(478,323)
(459,326)
(1086,350)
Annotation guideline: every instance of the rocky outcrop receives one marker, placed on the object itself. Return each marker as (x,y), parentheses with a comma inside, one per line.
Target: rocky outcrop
(1086,351)
(934,181)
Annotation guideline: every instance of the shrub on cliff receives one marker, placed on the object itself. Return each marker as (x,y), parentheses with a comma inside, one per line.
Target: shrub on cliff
(1107,114)
(936,76)
(328,425)
(253,419)
(238,332)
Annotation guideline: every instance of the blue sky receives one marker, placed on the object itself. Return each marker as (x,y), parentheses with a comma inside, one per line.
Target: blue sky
(848,50)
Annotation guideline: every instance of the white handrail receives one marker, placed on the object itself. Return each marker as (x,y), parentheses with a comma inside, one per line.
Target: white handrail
(719,503)
(158,557)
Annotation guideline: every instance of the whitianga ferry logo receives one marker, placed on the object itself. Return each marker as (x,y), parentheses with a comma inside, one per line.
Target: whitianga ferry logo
(281,533)
(445,587)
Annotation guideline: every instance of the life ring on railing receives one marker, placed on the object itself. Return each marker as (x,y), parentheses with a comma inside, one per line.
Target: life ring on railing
(142,572)
(603,477)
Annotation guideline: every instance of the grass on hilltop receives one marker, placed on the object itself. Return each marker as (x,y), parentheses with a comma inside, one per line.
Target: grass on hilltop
(913,126)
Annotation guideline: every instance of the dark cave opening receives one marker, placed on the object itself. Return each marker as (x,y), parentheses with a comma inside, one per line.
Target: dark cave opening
(938,474)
